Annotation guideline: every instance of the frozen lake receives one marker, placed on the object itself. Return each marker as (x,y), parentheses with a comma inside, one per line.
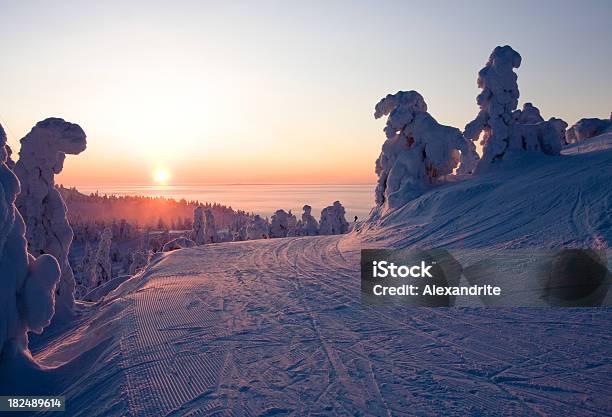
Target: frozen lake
(262,199)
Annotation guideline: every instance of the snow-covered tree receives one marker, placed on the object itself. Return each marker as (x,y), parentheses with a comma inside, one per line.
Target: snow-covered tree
(7,150)
(140,259)
(210,228)
(309,226)
(198,234)
(282,224)
(529,114)
(504,128)
(333,221)
(419,152)
(103,264)
(41,157)
(588,128)
(292,224)
(497,102)
(530,132)
(84,274)
(27,296)
(258,228)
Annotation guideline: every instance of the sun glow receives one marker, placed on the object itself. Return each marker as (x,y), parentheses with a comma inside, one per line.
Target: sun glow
(161,176)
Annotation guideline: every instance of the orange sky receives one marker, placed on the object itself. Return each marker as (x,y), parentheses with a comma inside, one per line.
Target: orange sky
(281,93)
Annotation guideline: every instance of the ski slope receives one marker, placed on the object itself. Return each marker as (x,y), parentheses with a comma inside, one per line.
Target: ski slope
(276,327)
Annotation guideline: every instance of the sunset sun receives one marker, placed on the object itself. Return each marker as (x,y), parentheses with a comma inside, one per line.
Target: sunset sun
(161,176)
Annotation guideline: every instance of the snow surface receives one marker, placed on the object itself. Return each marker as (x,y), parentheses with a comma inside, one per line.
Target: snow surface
(276,327)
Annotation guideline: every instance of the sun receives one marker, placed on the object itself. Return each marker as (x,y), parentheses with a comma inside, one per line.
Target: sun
(161,176)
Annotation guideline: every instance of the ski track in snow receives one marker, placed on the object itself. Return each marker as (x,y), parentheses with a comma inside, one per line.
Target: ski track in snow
(277,327)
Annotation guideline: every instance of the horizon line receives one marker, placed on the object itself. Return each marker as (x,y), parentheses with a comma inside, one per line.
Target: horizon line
(212,184)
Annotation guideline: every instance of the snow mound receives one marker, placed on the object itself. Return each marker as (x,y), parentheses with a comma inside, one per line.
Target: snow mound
(98,293)
(588,128)
(597,143)
(178,243)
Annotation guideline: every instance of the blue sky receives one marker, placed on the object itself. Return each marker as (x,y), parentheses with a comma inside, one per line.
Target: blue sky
(278,91)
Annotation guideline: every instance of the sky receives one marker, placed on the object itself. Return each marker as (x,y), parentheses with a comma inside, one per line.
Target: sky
(277,91)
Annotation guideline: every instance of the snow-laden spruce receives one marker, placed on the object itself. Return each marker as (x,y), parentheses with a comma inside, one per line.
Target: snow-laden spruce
(419,152)
(240,234)
(530,132)
(27,296)
(204,228)
(308,225)
(198,232)
(96,266)
(41,157)
(84,272)
(333,220)
(140,259)
(497,102)
(210,229)
(258,228)
(103,265)
(7,150)
(588,128)
(504,128)
(282,224)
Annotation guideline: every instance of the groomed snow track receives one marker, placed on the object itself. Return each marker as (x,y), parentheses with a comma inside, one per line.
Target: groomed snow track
(277,328)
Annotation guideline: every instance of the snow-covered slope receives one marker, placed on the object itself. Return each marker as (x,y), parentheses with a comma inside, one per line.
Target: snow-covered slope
(535,200)
(276,327)
(597,143)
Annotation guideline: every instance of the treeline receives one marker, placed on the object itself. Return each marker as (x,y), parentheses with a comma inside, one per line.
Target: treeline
(143,212)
